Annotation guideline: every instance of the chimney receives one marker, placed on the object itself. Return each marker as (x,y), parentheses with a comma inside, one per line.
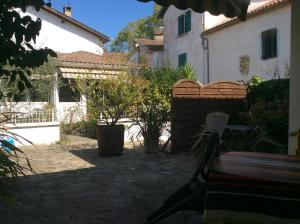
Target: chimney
(68,11)
(159,34)
(49,3)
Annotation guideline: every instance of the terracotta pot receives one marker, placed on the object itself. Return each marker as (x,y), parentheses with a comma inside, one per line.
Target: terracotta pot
(110,139)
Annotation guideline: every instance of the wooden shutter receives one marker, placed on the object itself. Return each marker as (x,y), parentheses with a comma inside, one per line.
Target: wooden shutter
(273,37)
(180,24)
(181,59)
(188,19)
(269,44)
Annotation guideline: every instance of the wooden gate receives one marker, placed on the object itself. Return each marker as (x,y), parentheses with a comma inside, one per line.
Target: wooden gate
(191,102)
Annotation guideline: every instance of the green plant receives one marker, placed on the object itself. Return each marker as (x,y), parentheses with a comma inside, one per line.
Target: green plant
(269,105)
(81,128)
(155,105)
(18,33)
(13,161)
(17,58)
(112,97)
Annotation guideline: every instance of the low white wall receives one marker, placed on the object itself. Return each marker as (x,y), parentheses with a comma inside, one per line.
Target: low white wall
(69,112)
(38,133)
(132,132)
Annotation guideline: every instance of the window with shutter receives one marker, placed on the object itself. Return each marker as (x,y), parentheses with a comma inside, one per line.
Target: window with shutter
(180,24)
(188,17)
(182,60)
(269,44)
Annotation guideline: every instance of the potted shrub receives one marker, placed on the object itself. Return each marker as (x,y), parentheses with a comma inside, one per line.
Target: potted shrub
(155,105)
(109,99)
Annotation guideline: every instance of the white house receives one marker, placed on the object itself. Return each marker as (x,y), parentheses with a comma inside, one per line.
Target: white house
(219,48)
(80,51)
(64,34)
(184,44)
(261,45)
(150,52)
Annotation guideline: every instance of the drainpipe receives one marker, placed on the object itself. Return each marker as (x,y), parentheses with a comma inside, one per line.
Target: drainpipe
(205,46)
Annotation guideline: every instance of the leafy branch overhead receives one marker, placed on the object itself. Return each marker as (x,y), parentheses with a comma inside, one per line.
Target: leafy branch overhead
(142,28)
(18,33)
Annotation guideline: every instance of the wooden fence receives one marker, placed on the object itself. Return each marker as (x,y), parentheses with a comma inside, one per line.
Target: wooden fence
(191,102)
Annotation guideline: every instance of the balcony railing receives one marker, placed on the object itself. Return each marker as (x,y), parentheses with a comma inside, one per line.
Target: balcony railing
(35,116)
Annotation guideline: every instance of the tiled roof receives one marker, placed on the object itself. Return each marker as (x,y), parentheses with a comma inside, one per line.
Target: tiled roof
(153,44)
(159,31)
(253,10)
(91,59)
(75,22)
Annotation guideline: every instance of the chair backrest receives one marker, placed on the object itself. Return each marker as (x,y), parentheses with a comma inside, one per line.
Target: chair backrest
(208,154)
(216,122)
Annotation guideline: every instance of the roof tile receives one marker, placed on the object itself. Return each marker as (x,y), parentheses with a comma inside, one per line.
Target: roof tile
(84,57)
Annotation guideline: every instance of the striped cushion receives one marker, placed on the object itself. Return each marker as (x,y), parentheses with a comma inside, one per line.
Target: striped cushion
(254,188)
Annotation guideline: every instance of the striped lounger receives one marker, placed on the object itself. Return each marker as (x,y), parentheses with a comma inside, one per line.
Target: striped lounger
(253,188)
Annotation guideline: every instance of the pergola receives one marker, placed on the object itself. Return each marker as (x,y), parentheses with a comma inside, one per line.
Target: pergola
(233,8)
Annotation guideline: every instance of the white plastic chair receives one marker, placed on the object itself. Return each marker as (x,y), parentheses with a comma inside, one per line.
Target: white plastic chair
(215,123)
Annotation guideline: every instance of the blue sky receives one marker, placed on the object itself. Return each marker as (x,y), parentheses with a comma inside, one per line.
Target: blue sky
(106,16)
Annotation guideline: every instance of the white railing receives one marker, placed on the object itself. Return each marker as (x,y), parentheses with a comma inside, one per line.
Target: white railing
(35,116)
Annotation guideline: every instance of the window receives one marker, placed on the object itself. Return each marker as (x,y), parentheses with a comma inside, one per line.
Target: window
(184,22)
(68,91)
(269,44)
(181,60)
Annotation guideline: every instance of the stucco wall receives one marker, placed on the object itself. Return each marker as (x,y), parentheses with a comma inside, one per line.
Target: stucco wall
(226,46)
(61,36)
(189,43)
(37,133)
(157,58)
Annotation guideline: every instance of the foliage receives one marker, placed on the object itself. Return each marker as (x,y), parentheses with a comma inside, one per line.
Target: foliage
(17,58)
(269,105)
(112,97)
(255,139)
(13,161)
(142,28)
(155,107)
(17,33)
(81,128)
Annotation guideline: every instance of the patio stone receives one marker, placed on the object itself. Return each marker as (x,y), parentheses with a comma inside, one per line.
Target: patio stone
(75,185)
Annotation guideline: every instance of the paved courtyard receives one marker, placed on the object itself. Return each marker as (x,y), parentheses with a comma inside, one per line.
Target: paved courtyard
(75,185)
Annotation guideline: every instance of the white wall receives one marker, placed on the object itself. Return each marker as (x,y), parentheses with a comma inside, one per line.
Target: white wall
(157,58)
(38,133)
(70,112)
(226,46)
(61,36)
(211,20)
(189,43)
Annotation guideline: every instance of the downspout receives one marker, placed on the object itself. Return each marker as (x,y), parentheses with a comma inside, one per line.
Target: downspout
(205,45)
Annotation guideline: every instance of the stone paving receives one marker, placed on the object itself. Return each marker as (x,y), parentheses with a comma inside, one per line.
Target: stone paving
(75,185)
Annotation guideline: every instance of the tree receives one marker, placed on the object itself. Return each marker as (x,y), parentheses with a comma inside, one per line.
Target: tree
(17,58)
(155,105)
(17,33)
(142,28)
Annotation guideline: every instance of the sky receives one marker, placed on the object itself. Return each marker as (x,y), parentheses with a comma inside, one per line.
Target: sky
(106,16)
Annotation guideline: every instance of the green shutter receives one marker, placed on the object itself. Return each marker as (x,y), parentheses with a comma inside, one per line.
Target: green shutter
(188,18)
(180,24)
(181,59)
(269,44)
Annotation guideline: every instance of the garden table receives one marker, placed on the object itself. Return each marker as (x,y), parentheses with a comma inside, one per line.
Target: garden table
(248,187)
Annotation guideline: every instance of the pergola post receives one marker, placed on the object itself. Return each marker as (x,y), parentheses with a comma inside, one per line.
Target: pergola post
(294,116)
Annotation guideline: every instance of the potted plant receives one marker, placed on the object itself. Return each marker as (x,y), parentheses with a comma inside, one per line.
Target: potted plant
(155,105)
(109,99)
